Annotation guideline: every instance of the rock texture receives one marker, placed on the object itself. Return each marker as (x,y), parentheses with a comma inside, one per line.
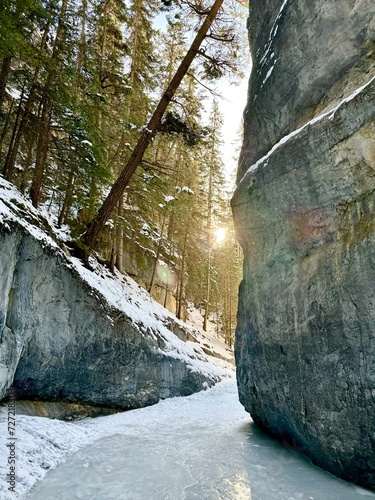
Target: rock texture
(304,211)
(62,341)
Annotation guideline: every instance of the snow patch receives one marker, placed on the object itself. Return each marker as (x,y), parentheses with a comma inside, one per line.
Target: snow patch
(286,138)
(272,35)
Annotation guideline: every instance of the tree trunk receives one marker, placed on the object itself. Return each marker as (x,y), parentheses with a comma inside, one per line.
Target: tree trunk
(4,73)
(7,61)
(44,133)
(18,133)
(209,232)
(181,291)
(7,172)
(157,255)
(41,154)
(6,124)
(67,199)
(27,164)
(120,236)
(208,289)
(90,236)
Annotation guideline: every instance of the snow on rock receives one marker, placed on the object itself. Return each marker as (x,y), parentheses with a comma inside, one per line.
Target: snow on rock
(330,114)
(272,35)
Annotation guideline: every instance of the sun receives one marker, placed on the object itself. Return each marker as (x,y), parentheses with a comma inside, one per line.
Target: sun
(220,234)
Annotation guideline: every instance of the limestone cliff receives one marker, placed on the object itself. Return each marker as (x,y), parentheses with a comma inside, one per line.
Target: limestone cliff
(304,211)
(72,335)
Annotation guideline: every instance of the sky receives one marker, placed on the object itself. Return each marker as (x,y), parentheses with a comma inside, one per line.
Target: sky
(232,105)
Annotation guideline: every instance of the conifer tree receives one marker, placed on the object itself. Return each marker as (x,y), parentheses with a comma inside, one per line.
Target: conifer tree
(90,237)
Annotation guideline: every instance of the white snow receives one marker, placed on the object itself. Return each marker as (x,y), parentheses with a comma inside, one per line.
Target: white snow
(14,93)
(168,199)
(184,189)
(210,339)
(272,35)
(12,203)
(286,138)
(269,72)
(202,446)
(145,229)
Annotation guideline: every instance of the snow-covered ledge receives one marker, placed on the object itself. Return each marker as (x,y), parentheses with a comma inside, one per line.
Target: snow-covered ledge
(75,335)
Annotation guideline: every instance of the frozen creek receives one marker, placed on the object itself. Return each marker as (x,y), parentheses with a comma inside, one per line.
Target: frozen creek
(199,447)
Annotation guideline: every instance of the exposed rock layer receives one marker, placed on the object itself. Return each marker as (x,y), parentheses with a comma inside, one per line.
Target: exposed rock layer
(305,219)
(62,341)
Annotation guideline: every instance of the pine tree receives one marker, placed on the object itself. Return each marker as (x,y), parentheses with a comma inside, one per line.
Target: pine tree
(90,237)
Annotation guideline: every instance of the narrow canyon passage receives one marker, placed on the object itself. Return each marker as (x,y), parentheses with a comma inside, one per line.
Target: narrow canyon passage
(203,446)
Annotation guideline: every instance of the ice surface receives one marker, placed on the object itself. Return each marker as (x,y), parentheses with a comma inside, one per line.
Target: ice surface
(199,447)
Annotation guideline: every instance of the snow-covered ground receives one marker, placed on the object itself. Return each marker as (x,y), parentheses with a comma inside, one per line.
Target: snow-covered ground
(202,446)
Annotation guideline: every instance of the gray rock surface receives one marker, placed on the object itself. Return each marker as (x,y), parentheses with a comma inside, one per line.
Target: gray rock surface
(305,219)
(62,341)
(320,51)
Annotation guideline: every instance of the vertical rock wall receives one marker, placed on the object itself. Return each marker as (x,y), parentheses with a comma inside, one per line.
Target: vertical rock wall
(304,211)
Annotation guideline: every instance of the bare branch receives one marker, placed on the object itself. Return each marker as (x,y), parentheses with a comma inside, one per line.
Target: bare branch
(211,91)
(221,38)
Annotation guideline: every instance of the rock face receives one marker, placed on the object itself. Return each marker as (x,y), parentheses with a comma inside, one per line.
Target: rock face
(304,211)
(62,341)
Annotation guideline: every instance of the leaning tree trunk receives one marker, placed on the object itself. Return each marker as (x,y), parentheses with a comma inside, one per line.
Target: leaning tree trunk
(89,238)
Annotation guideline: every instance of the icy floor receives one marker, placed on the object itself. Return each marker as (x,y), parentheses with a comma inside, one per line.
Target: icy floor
(199,447)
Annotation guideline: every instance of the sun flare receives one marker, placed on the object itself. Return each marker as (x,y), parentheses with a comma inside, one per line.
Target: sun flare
(220,234)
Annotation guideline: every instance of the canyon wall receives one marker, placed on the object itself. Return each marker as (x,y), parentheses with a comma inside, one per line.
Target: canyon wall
(62,339)
(304,211)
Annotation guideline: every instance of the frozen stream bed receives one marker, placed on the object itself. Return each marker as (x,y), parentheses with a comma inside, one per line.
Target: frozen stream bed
(199,447)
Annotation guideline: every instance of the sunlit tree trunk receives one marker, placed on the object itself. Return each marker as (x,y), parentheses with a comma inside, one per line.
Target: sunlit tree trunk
(182,287)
